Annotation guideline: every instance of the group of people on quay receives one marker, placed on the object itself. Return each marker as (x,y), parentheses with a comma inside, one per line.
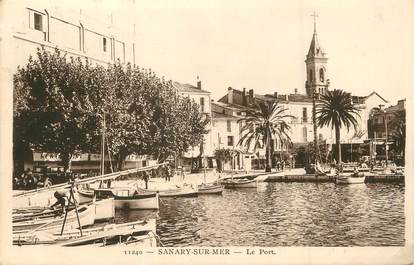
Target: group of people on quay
(32,178)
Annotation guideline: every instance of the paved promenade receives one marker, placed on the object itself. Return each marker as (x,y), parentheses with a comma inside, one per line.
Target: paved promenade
(198,178)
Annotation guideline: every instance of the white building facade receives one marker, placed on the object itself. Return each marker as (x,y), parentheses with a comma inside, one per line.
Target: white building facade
(93,34)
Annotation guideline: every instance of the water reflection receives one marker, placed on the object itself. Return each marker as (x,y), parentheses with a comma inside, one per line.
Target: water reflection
(284,214)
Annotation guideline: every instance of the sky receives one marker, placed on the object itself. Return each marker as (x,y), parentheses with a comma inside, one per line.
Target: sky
(262,45)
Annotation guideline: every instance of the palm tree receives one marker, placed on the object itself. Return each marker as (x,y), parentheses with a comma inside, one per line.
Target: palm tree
(336,109)
(263,124)
(398,125)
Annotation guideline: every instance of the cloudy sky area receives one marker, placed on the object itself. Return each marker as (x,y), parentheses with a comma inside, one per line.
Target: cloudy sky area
(262,45)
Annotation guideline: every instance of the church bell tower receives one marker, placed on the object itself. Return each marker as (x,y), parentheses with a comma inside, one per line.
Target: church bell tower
(316,66)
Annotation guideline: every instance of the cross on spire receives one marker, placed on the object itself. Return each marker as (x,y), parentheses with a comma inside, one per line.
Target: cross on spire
(314,15)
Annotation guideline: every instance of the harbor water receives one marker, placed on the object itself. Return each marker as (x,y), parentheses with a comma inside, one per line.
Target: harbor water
(283,214)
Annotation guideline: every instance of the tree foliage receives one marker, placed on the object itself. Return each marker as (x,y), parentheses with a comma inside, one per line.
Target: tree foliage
(398,133)
(60,105)
(262,124)
(50,105)
(336,109)
(222,156)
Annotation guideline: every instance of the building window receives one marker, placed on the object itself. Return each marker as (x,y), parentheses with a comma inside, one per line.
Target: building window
(321,75)
(104,44)
(202,104)
(310,76)
(38,23)
(305,115)
(228,125)
(230,140)
(305,134)
(320,137)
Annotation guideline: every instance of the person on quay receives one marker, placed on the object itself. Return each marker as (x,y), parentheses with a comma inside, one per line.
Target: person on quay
(168,175)
(146,179)
(182,173)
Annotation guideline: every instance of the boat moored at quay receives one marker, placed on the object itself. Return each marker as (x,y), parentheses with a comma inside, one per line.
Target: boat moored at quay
(137,233)
(124,197)
(210,189)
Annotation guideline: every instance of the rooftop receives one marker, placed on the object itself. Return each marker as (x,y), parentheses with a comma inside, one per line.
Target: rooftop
(220,115)
(187,88)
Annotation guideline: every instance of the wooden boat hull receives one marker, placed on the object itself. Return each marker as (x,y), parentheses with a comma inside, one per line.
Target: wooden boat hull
(350,179)
(85,196)
(41,198)
(146,201)
(86,217)
(210,189)
(141,233)
(187,193)
(104,210)
(234,184)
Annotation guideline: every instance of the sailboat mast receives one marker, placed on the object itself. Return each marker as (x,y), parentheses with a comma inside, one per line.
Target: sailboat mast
(103,147)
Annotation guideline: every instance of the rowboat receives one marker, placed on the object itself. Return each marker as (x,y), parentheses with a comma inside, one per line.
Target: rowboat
(210,189)
(104,210)
(125,197)
(138,233)
(239,183)
(344,178)
(179,192)
(54,223)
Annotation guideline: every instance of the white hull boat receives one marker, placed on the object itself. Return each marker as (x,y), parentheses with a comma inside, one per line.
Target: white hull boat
(210,189)
(104,210)
(138,233)
(350,179)
(239,183)
(179,192)
(54,223)
(130,198)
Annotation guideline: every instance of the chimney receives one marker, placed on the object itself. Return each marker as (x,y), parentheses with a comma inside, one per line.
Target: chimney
(230,95)
(198,83)
(244,97)
(251,95)
(296,90)
(275,94)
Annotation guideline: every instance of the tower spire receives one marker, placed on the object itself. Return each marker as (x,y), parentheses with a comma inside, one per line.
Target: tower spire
(314,15)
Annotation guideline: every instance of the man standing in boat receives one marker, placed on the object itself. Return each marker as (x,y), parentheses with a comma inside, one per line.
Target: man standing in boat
(61,199)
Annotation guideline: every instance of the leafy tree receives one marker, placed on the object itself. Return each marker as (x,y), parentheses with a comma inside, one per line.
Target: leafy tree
(398,133)
(60,105)
(336,109)
(50,106)
(222,156)
(262,124)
